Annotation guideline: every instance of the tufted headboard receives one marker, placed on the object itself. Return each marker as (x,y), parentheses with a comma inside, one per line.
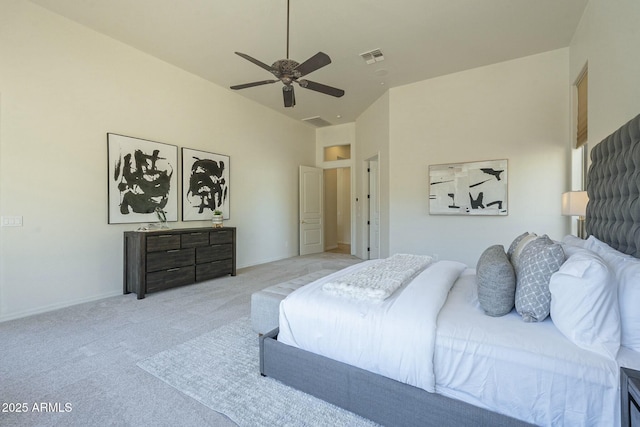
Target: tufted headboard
(613,186)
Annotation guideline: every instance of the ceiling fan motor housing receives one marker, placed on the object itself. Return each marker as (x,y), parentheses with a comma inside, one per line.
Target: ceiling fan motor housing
(285,70)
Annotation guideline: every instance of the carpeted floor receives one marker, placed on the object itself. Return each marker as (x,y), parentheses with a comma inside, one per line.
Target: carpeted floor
(220,369)
(78,366)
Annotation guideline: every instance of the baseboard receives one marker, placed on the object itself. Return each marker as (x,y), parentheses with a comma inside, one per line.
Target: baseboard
(265,261)
(57,306)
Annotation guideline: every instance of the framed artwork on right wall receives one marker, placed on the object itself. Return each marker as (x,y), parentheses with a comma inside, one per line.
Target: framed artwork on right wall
(471,188)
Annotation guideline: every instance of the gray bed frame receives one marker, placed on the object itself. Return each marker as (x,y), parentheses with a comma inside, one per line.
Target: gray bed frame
(613,216)
(378,398)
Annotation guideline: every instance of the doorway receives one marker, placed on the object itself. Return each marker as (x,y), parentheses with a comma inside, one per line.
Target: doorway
(337,210)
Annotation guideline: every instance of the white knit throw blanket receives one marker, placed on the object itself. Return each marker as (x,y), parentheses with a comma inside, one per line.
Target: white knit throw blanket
(379,280)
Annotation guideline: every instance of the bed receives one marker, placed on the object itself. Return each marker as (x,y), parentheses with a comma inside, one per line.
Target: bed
(442,360)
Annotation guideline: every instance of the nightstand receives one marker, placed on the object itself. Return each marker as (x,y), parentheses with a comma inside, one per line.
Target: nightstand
(630,397)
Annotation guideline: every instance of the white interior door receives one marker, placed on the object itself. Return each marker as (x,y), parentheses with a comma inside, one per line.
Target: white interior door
(311,232)
(374,211)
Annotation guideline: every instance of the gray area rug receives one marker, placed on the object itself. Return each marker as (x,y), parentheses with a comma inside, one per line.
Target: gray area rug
(220,369)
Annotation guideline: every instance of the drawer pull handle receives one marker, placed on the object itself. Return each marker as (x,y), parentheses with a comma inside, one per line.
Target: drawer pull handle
(165,235)
(196,234)
(174,250)
(173,269)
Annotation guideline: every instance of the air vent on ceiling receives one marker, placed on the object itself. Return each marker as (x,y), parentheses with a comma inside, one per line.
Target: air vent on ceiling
(317,121)
(372,56)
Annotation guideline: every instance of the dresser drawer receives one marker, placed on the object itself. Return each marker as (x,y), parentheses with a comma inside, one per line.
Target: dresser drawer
(213,253)
(192,240)
(163,242)
(213,269)
(219,237)
(170,259)
(169,278)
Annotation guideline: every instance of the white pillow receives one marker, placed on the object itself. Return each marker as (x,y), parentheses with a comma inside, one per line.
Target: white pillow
(584,302)
(626,272)
(572,240)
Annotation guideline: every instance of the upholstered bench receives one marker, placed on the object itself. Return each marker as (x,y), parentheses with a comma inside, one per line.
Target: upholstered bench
(265,304)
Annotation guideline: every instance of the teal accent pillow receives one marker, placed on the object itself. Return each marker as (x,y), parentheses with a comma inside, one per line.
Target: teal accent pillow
(496,281)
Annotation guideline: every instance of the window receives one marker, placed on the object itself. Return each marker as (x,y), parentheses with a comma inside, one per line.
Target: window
(582,124)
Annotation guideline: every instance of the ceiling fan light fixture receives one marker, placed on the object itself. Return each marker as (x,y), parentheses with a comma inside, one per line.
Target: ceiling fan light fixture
(289,71)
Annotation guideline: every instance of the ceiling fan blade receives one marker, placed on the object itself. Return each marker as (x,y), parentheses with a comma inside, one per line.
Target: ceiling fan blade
(317,61)
(319,87)
(255,61)
(246,85)
(289,96)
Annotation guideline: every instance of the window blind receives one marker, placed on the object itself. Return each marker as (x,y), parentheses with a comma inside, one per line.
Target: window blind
(582,134)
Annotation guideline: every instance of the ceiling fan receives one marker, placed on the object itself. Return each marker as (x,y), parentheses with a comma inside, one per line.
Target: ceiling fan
(289,71)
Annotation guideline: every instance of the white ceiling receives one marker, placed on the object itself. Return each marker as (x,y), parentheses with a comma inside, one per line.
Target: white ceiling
(420,39)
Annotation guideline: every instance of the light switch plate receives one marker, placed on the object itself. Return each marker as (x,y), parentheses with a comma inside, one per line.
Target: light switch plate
(12,221)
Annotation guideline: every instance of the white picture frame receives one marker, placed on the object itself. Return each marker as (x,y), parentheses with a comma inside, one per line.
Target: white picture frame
(142,177)
(205,184)
(471,188)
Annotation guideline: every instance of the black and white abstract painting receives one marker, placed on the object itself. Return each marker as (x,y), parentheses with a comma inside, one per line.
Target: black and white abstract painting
(142,178)
(205,184)
(473,188)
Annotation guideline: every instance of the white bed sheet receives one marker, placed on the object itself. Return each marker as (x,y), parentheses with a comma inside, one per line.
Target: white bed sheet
(526,370)
(394,337)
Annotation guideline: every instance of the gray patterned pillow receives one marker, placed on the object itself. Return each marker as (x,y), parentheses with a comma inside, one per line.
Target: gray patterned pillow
(515,242)
(539,260)
(496,282)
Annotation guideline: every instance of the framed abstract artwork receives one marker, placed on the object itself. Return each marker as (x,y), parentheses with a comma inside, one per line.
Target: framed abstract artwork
(473,188)
(205,185)
(142,179)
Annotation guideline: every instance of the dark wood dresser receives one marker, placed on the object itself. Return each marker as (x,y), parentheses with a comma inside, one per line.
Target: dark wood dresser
(163,259)
(630,397)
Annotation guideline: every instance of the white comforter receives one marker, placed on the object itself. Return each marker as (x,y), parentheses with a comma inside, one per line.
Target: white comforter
(394,337)
(529,371)
(526,370)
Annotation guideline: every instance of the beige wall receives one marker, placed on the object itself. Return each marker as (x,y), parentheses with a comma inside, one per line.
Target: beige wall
(608,38)
(517,110)
(372,141)
(62,88)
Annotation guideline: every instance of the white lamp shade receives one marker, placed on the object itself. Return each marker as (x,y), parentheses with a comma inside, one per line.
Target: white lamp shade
(574,203)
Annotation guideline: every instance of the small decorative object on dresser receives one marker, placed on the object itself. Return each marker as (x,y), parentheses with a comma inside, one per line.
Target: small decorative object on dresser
(217,218)
(630,397)
(162,216)
(162,259)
